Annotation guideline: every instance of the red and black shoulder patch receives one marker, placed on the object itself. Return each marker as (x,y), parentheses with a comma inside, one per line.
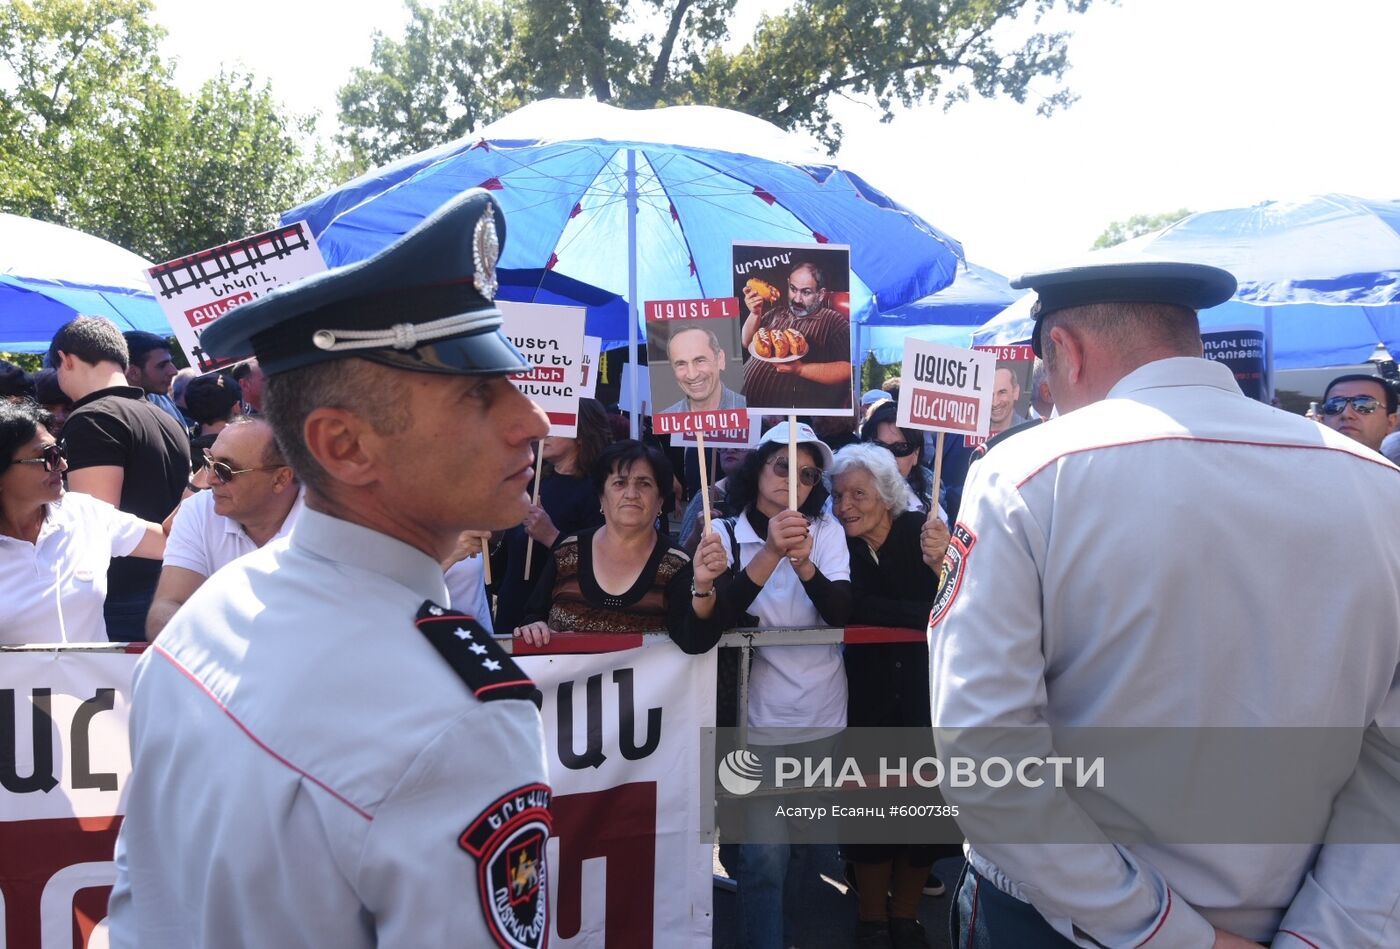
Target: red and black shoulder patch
(476,657)
(508,841)
(954,566)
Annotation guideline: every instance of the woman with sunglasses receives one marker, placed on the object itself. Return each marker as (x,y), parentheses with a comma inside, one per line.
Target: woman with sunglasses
(55,546)
(906,445)
(788,568)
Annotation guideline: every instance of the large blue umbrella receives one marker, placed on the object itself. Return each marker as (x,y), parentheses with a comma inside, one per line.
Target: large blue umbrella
(949,316)
(49,274)
(1321,277)
(645,204)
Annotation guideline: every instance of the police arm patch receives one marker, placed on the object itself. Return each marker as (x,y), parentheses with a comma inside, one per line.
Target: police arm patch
(954,566)
(508,841)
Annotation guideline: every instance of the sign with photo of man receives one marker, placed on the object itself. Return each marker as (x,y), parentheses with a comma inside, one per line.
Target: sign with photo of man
(1011,391)
(796,327)
(698,341)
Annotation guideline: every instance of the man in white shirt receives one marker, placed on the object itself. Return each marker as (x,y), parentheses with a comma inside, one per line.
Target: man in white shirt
(1129,565)
(253,498)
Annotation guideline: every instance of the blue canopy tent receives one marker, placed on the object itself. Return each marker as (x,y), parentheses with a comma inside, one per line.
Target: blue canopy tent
(49,274)
(1320,277)
(644,205)
(949,316)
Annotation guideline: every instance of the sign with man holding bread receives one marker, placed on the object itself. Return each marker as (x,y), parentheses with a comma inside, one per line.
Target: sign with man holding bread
(796,330)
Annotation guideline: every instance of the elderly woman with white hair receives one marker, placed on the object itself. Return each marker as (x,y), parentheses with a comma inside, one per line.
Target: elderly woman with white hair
(893,583)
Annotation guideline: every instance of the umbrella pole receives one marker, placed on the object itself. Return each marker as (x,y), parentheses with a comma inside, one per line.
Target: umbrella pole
(636,421)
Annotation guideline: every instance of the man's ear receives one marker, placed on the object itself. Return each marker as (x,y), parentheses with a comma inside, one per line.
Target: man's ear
(132,374)
(343,444)
(1069,349)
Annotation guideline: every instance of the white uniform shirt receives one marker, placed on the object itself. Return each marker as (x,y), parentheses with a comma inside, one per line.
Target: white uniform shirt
(203,540)
(466,584)
(52,591)
(304,762)
(798,689)
(1180,555)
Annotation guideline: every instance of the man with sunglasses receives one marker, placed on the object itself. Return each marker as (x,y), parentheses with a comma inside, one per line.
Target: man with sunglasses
(324,752)
(1133,567)
(253,498)
(1361,407)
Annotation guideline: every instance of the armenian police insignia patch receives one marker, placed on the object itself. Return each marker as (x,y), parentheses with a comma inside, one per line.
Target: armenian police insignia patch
(508,841)
(954,565)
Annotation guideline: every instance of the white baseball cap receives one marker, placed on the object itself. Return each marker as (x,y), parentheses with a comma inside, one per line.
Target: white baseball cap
(805,436)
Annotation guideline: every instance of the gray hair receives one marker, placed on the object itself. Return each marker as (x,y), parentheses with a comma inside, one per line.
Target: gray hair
(1040,375)
(1142,329)
(375,393)
(882,468)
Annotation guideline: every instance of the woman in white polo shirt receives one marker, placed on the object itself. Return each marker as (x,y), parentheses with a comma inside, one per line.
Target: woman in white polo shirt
(793,570)
(55,546)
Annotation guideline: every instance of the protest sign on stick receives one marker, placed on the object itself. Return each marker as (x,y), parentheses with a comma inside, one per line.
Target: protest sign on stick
(796,327)
(1011,390)
(196,290)
(945,389)
(698,340)
(592,351)
(551,337)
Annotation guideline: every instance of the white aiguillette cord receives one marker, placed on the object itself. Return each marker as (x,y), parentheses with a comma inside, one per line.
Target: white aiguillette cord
(407,335)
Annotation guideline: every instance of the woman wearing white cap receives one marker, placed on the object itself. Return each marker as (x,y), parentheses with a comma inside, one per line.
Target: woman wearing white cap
(791,568)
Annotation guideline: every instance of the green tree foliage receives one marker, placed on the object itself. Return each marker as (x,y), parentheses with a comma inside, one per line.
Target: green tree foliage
(468,62)
(95,135)
(1138,225)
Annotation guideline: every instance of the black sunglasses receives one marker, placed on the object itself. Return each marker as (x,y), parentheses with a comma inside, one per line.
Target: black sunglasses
(53,458)
(899,449)
(224,473)
(806,474)
(1365,404)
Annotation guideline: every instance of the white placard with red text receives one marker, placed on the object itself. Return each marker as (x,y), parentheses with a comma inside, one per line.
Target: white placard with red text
(945,389)
(196,290)
(592,351)
(551,337)
(628,865)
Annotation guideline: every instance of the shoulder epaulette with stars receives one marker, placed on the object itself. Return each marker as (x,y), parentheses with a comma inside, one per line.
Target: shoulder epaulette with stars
(474,655)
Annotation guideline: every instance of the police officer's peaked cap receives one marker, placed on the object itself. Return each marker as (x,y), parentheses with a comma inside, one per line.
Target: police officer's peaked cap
(1196,286)
(425,303)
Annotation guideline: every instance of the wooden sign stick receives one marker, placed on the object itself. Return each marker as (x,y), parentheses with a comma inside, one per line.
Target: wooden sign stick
(534,499)
(704,480)
(937,473)
(792,462)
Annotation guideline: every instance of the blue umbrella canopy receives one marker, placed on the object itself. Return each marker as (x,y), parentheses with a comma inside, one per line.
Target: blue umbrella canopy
(948,316)
(566,172)
(1322,274)
(49,274)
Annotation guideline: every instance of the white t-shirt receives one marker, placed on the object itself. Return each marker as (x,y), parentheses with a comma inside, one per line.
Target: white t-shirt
(203,541)
(52,591)
(467,586)
(798,689)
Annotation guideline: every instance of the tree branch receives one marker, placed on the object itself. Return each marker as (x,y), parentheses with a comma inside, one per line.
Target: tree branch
(663,57)
(595,30)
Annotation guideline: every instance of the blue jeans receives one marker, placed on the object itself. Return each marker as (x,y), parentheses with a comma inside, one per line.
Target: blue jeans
(984,917)
(771,875)
(125,615)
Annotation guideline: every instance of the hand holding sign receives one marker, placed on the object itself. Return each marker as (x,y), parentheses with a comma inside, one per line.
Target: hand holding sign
(933,541)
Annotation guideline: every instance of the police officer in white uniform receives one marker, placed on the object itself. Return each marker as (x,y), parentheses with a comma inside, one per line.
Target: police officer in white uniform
(324,753)
(1169,552)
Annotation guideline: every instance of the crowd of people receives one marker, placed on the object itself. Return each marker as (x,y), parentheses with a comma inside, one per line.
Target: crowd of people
(139,502)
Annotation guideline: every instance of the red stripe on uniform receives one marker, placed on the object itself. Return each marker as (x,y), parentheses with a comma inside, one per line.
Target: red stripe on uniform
(258,741)
(1160,923)
(1303,939)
